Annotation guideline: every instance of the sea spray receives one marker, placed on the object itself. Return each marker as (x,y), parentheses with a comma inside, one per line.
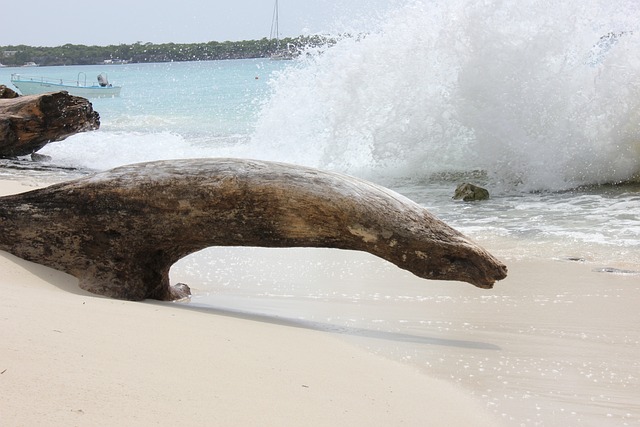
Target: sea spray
(527,91)
(534,95)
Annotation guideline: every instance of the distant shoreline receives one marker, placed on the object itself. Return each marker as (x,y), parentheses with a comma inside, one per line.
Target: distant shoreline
(76,54)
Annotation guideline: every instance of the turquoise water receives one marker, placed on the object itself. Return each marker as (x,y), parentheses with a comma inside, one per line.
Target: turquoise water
(197,100)
(527,100)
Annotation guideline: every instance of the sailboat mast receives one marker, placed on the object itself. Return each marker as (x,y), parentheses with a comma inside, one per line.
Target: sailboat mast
(275,30)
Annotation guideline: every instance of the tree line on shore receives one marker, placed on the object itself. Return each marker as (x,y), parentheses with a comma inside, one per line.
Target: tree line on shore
(74,54)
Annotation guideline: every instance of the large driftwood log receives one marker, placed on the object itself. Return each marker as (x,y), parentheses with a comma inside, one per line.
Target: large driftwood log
(28,123)
(120,231)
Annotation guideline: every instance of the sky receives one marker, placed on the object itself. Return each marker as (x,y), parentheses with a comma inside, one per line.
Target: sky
(102,23)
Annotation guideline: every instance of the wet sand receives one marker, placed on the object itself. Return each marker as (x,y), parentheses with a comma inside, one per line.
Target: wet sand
(555,343)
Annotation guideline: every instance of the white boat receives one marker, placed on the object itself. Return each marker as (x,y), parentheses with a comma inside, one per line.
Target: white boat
(279,54)
(29,85)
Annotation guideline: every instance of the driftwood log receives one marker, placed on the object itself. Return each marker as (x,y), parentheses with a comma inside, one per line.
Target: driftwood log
(6,92)
(28,123)
(120,231)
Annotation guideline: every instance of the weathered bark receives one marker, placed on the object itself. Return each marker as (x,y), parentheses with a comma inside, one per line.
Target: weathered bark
(28,123)
(120,231)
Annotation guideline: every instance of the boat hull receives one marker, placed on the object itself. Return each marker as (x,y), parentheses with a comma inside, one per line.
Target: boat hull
(32,87)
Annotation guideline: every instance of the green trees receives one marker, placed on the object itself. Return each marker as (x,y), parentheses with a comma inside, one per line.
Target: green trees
(75,54)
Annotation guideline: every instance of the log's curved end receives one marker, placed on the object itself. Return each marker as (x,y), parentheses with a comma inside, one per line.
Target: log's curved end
(465,262)
(484,276)
(479,268)
(500,273)
(431,249)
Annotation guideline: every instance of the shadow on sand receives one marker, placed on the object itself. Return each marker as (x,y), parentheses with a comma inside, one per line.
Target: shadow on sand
(335,329)
(69,284)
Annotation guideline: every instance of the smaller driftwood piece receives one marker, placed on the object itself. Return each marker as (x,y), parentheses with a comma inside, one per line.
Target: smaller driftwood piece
(28,123)
(120,231)
(6,92)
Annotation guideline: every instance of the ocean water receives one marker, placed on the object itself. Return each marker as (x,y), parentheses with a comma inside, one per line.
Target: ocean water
(538,102)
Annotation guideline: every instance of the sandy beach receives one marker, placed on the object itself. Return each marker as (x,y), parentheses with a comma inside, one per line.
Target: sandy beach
(554,344)
(70,358)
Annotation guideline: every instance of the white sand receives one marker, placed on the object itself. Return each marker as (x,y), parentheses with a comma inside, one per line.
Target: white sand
(71,358)
(556,343)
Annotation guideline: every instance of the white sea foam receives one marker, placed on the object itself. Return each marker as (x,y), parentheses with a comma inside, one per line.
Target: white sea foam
(528,92)
(106,150)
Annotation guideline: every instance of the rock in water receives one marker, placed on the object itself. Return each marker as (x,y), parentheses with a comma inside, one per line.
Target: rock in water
(470,192)
(120,231)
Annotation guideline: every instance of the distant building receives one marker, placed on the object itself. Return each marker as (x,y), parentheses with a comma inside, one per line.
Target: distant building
(115,61)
